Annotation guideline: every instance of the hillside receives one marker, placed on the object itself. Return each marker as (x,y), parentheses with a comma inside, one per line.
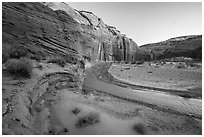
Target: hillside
(187,46)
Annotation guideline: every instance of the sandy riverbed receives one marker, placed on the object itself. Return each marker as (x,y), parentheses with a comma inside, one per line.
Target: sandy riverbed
(165,76)
(53,110)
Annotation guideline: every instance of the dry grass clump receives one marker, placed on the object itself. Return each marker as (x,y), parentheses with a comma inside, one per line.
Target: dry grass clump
(140,128)
(13,52)
(90,119)
(57,130)
(76,110)
(19,67)
(18,52)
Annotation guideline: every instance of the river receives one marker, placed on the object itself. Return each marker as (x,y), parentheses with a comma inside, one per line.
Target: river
(149,97)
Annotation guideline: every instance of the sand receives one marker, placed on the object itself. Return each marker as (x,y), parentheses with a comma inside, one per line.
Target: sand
(165,76)
(44,104)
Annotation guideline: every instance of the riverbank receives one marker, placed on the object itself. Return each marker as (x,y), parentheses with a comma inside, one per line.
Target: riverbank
(186,83)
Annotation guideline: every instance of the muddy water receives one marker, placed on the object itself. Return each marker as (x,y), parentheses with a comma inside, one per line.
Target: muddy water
(107,125)
(190,106)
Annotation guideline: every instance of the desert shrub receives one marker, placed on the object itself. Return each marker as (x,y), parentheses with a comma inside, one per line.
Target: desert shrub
(90,119)
(19,67)
(81,64)
(140,128)
(5,57)
(58,60)
(36,57)
(85,91)
(70,58)
(180,65)
(76,110)
(55,130)
(18,52)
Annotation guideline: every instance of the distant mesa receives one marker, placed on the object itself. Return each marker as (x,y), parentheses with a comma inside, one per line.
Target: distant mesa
(186,46)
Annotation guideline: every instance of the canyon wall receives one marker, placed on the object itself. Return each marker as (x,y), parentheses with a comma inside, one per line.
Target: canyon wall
(57,29)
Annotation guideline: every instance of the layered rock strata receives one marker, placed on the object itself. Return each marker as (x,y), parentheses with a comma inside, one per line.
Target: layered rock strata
(56,28)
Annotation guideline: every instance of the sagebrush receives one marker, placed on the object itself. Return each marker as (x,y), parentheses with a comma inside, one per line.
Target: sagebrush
(140,128)
(19,67)
(90,119)
(18,52)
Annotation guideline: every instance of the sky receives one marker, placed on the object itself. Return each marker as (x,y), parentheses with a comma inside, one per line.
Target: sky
(148,22)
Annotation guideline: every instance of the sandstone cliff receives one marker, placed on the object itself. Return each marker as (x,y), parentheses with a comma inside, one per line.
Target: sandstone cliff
(56,28)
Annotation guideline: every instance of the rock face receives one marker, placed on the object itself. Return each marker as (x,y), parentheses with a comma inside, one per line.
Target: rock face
(187,46)
(56,28)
